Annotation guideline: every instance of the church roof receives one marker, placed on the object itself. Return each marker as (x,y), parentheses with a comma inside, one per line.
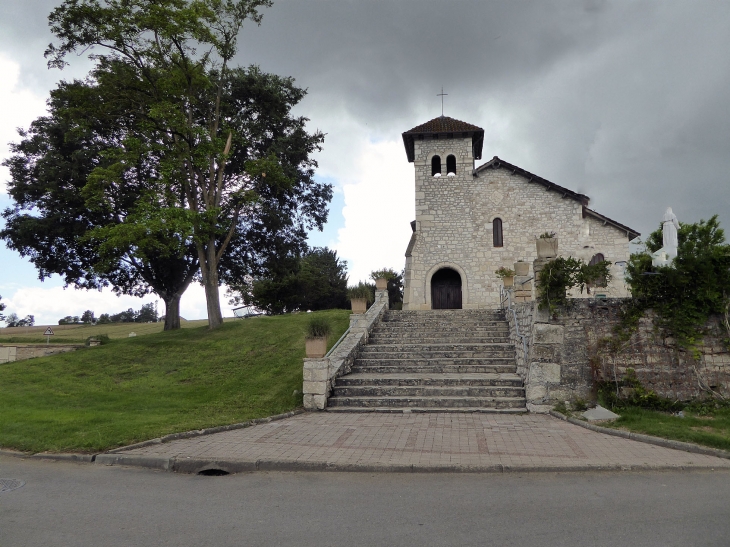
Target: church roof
(444,127)
(497,163)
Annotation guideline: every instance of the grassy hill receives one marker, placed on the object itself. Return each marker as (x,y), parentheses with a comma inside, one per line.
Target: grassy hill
(74,334)
(133,389)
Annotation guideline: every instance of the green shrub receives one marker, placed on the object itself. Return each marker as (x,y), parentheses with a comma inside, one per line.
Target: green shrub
(362,290)
(503,272)
(685,294)
(318,327)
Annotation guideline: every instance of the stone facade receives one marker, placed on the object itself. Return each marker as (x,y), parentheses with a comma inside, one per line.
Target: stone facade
(454,224)
(563,360)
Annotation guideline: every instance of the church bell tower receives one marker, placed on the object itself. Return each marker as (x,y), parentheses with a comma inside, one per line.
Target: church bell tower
(443,152)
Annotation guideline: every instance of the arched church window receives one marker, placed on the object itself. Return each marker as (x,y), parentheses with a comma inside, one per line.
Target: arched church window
(436,166)
(451,165)
(497,232)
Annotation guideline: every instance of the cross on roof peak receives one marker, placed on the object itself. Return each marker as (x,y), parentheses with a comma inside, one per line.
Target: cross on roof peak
(442,95)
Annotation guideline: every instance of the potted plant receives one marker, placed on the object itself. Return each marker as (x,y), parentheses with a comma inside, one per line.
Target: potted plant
(506,275)
(361,295)
(381,284)
(522,268)
(318,330)
(547,245)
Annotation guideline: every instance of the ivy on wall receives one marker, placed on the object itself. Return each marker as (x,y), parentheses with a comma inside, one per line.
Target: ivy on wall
(562,274)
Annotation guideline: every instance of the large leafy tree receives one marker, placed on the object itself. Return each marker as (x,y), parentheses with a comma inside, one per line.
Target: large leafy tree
(61,231)
(316,281)
(169,61)
(185,167)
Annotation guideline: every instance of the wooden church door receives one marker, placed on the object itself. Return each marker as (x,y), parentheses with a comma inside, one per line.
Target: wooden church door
(446,290)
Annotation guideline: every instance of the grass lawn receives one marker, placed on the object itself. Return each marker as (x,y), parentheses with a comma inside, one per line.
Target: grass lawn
(75,334)
(133,389)
(712,430)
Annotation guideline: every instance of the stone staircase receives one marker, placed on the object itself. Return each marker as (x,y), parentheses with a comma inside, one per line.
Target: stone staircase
(434,361)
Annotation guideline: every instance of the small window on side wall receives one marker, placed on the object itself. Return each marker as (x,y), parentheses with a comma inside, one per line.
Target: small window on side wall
(497,232)
(451,165)
(436,166)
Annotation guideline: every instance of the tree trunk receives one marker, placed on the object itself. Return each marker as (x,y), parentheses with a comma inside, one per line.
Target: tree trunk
(209,272)
(172,311)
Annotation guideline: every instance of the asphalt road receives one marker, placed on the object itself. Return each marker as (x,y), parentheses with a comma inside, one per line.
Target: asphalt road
(87,504)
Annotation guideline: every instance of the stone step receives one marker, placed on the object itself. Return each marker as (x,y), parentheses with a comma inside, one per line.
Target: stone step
(449,346)
(416,361)
(416,410)
(380,341)
(429,391)
(446,327)
(504,356)
(428,402)
(466,336)
(434,323)
(434,379)
(421,367)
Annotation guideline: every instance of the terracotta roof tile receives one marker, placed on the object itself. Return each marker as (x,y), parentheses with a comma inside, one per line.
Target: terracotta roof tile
(444,124)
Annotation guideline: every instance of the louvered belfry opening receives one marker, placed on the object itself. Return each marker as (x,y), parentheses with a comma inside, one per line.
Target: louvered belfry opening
(435,165)
(451,164)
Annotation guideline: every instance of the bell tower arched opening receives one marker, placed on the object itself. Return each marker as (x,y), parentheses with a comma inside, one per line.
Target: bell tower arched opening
(446,290)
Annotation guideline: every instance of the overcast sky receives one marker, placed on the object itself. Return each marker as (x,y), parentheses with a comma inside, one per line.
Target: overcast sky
(624,101)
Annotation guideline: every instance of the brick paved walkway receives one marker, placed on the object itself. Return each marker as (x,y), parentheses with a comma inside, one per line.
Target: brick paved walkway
(428,441)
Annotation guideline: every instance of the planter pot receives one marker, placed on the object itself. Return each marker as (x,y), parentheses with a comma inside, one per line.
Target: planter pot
(316,347)
(522,268)
(508,281)
(547,247)
(359,305)
(381,284)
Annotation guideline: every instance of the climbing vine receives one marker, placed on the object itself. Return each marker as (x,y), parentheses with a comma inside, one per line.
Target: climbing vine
(562,274)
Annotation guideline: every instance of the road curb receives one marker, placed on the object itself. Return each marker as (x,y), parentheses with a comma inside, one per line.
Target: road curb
(15,453)
(194,466)
(68,457)
(648,439)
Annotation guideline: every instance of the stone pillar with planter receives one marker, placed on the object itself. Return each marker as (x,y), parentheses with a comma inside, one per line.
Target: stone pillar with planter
(547,245)
(522,282)
(320,373)
(318,331)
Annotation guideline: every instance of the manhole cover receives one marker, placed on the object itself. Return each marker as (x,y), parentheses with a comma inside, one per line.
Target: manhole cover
(6,485)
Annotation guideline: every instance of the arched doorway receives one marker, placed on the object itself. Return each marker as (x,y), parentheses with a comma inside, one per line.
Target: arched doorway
(446,290)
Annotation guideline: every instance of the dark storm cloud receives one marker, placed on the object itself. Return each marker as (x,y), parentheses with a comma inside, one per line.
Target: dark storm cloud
(624,101)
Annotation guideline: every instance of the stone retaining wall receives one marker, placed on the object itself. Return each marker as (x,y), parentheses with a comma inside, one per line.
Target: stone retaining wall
(9,354)
(320,374)
(563,359)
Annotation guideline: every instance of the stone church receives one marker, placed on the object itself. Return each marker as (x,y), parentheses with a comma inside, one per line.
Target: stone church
(470,221)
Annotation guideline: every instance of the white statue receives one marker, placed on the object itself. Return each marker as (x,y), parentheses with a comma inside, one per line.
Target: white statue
(665,255)
(670,225)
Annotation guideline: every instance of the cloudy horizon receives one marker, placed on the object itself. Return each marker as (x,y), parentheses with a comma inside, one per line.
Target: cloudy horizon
(623,101)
